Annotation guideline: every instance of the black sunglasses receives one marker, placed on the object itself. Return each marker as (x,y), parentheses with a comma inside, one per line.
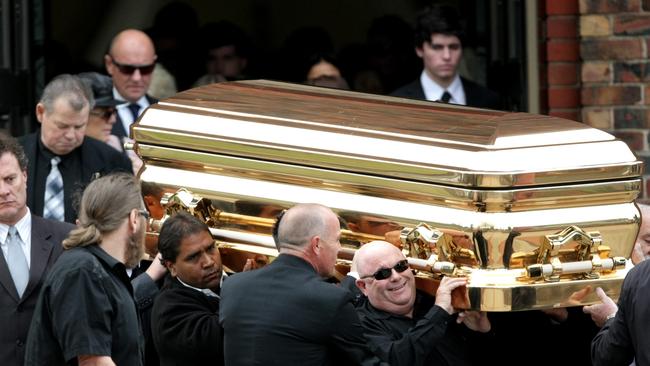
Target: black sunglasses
(105,114)
(130,69)
(384,273)
(145,214)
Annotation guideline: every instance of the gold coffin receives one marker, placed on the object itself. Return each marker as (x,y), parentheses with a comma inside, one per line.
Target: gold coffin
(536,211)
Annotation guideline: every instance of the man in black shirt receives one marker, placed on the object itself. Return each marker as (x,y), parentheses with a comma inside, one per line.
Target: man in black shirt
(61,160)
(86,312)
(185,315)
(402,327)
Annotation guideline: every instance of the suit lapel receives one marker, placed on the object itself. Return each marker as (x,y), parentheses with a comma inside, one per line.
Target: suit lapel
(6,280)
(40,252)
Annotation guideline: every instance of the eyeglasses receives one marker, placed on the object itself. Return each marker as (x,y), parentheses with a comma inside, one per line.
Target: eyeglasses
(130,69)
(384,273)
(105,114)
(145,214)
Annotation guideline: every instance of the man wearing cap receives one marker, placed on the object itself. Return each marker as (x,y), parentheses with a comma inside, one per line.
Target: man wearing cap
(103,116)
(130,61)
(61,160)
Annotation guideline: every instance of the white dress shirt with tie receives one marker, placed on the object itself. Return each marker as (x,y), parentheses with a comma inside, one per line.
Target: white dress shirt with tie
(123,109)
(24,228)
(433,91)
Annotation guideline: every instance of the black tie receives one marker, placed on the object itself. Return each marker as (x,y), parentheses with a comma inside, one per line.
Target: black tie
(446,97)
(134,108)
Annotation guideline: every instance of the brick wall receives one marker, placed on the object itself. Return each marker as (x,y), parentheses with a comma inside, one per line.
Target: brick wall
(595,67)
(614,45)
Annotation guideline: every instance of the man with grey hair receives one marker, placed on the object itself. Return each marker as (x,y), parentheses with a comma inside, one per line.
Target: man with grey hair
(61,160)
(285,313)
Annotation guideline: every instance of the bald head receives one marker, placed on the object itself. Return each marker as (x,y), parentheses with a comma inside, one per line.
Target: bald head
(642,244)
(302,222)
(369,254)
(131,47)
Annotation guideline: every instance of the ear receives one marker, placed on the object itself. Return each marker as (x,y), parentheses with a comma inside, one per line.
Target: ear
(108,64)
(40,111)
(133,220)
(315,245)
(361,284)
(171,267)
(419,51)
(149,200)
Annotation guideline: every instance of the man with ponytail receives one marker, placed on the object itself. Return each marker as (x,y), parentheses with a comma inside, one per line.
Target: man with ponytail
(86,313)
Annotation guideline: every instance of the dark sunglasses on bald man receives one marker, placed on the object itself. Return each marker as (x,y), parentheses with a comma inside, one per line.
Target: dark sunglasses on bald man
(385,273)
(130,69)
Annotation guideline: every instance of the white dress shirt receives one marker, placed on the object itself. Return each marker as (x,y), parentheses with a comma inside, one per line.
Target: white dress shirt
(24,228)
(433,91)
(123,109)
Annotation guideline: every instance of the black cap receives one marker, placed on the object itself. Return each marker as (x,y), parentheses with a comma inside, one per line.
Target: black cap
(102,87)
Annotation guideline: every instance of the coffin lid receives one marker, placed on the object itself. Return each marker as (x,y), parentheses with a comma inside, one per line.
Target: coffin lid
(385,136)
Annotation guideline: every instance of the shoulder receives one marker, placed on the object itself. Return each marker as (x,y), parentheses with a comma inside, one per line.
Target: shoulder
(28,142)
(480,96)
(56,228)
(151,99)
(96,150)
(412,89)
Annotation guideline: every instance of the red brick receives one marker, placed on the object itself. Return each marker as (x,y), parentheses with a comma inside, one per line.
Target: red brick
(633,139)
(611,49)
(628,72)
(563,98)
(596,72)
(571,114)
(562,50)
(609,6)
(631,24)
(629,118)
(562,27)
(611,95)
(564,73)
(563,7)
(646,92)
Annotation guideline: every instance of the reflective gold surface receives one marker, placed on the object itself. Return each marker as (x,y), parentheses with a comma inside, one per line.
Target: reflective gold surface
(496,186)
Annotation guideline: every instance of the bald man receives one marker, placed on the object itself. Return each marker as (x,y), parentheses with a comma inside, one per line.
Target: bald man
(130,61)
(403,327)
(285,313)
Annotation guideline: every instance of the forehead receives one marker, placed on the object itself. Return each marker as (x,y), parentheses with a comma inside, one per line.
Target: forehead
(63,113)
(444,39)
(8,163)
(384,257)
(133,51)
(196,241)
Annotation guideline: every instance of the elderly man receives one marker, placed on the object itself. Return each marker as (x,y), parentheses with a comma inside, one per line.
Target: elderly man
(30,246)
(130,61)
(61,160)
(284,313)
(401,327)
(438,36)
(185,316)
(86,313)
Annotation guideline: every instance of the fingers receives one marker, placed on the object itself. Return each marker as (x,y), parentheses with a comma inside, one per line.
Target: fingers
(448,284)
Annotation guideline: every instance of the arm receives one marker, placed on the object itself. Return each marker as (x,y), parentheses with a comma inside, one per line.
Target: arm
(612,345)
(145,288)
(184,324)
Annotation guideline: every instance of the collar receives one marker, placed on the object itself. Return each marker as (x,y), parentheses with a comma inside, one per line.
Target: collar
(205,291)
(117,268)
(23,226)
(143,102)
(433,91)
(47,153)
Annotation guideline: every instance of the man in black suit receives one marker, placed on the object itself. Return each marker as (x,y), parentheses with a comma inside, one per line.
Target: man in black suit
(185,316)
(438,36)
(40,240)
(285,313)
(59,147)
(130,61)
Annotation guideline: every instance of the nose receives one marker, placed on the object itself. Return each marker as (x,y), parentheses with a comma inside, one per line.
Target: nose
(69,134)
(4,188)
(136,75)
(207,260)
(446,53)
(112,119)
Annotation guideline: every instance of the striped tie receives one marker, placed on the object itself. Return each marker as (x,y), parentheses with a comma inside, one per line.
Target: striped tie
(16,261)
(53,203)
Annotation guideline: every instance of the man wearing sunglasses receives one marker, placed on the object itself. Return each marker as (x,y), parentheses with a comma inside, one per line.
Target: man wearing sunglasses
(130,61)
(404,327)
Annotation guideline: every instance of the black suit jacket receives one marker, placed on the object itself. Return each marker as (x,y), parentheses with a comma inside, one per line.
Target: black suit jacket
(16,314)
(285,314)
(118,127)
(185,327)
(475,94)
(96,157)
